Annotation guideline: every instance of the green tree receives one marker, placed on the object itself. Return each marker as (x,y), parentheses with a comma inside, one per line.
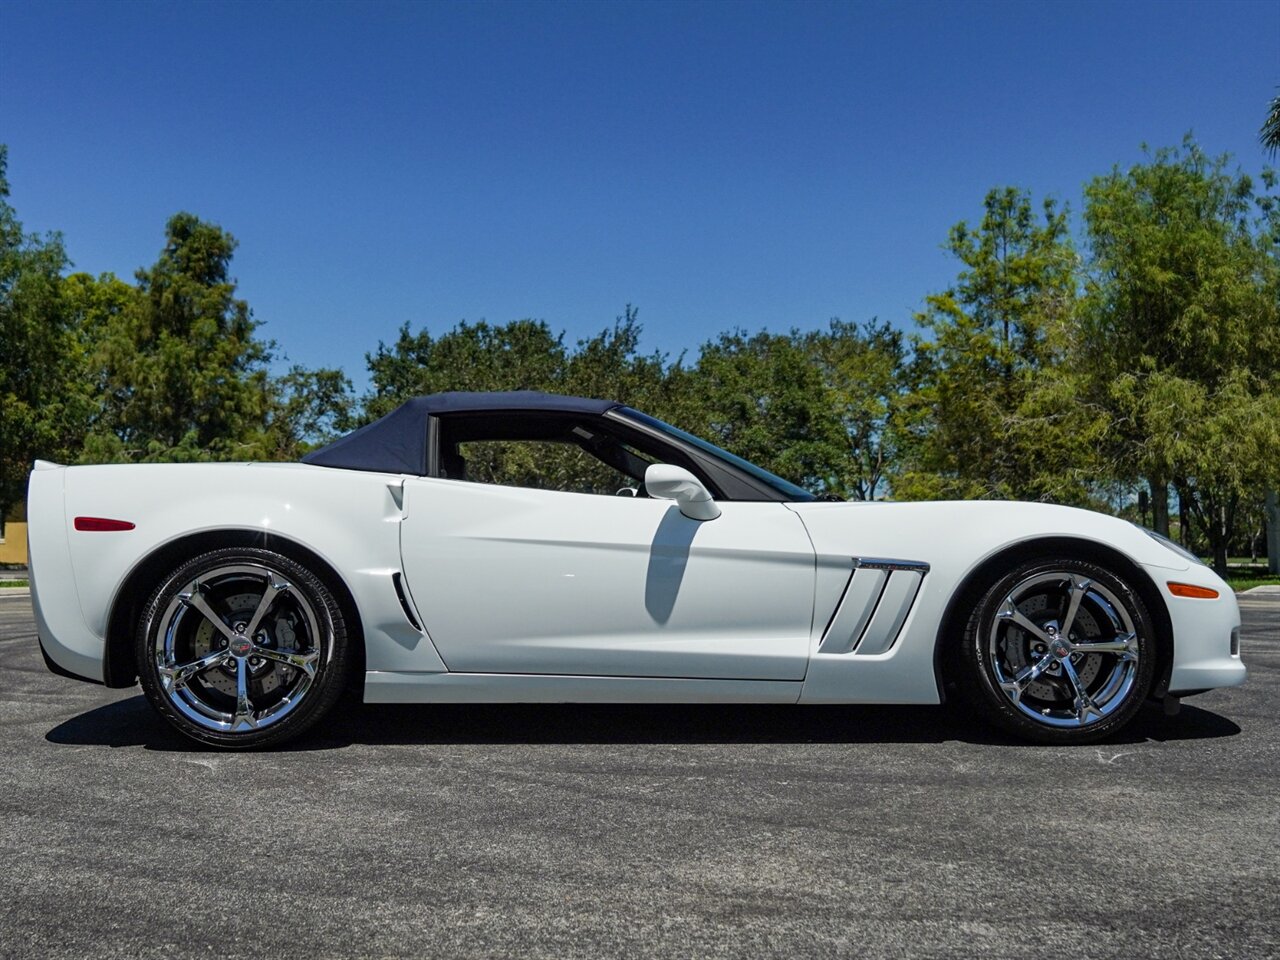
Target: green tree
(95,307)
(307,408)
(183,376)
(1181,334)
(521,355)
(990,413)
(1269,135)
(610,366)
(44,402)
(763,397)
(863,367)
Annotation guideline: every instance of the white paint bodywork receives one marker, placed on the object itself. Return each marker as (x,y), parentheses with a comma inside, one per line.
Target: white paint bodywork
(527,595)
(510,580)
(954,539)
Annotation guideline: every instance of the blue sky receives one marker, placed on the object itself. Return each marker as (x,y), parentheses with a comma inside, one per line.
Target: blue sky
(716,165)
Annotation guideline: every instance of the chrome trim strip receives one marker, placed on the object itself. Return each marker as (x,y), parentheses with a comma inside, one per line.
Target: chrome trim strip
(880,563)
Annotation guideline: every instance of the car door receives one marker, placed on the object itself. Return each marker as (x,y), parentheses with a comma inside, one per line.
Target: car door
(515,580)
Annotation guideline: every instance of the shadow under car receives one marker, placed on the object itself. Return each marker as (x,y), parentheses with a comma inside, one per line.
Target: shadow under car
(131,722)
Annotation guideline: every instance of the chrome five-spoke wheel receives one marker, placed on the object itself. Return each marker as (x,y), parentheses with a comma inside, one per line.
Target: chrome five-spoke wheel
(239,644)
(1064,667)
(1059,651)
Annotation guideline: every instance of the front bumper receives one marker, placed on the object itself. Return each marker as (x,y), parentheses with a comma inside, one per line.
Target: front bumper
(1206,652)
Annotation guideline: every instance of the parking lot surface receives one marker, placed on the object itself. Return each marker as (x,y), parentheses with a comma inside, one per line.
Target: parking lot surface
(589,831)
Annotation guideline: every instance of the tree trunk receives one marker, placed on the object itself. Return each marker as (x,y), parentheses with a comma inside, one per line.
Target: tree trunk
(1219,554)
(1160,507)
(1219,536)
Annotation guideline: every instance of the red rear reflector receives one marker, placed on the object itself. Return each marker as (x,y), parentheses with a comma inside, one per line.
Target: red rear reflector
(101,524)
(1191,590)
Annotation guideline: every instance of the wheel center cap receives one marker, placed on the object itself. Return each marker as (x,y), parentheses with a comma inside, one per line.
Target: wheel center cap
(1060,648)
(241,646)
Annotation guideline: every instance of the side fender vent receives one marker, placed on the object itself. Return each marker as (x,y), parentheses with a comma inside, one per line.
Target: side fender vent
(404,602)
(875,605)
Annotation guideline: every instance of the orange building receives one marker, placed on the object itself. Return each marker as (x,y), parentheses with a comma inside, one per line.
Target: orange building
(13,536)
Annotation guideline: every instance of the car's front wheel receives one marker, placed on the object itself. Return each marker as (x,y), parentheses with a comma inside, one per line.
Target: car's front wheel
(242,647)
(1059,651)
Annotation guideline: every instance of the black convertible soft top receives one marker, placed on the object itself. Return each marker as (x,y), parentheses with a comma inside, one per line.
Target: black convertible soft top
(398,442)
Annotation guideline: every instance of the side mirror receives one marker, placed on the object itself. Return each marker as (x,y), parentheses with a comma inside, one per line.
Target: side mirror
(663,481)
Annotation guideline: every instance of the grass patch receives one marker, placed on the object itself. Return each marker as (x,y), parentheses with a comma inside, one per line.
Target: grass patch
(14,583)
(1240,585)
(1248,581)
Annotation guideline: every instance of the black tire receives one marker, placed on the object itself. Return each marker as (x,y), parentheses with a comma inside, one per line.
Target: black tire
(291,671)
(999,653)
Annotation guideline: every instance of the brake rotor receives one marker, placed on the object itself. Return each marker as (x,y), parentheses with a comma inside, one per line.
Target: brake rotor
(266,676)
(1053,685)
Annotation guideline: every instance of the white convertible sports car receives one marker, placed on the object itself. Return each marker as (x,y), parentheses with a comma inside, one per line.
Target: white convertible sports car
(627,561)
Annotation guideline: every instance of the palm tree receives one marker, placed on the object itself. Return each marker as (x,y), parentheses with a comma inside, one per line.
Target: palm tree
(1270,132)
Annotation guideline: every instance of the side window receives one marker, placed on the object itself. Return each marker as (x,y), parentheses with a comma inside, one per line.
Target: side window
(541,453)
(541,465)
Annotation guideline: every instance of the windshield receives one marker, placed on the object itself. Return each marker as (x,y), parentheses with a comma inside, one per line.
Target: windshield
(785,487)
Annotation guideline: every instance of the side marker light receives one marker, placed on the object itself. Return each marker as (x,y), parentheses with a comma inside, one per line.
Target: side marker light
(1191,590)
(101,524)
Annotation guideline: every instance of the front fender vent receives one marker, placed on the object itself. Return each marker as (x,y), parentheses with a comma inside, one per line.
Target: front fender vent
(875,605)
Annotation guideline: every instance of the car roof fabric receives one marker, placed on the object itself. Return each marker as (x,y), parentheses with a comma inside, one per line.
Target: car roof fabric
(397,443)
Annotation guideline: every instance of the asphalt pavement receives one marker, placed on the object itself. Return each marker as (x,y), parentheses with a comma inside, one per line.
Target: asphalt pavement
(592,831)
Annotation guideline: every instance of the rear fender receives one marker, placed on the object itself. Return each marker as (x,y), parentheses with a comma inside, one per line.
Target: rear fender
(346,521)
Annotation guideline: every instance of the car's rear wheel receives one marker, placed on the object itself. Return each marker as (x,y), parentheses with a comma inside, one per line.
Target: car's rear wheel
(1058,651)
(242,647)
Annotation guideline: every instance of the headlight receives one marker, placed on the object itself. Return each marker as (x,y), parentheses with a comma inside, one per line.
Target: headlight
(1177,548)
